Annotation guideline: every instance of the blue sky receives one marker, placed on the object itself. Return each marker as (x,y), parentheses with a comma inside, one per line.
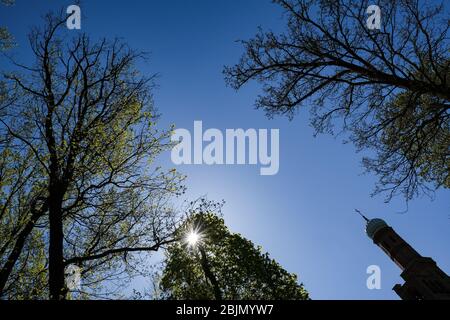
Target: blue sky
(303,216)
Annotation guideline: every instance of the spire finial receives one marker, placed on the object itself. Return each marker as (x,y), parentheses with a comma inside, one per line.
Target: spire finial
(363,216)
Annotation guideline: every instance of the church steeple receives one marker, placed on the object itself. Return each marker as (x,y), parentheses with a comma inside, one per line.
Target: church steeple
(424,280)
(362,215)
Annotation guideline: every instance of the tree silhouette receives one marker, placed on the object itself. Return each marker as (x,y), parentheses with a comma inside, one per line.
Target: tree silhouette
(221,264)
(390,88)
(79,130)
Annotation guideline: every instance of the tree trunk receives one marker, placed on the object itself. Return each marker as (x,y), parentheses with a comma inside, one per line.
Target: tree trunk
(56,255)
(15,252)
(209,274)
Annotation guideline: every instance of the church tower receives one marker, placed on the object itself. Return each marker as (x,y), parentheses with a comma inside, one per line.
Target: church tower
(424,280)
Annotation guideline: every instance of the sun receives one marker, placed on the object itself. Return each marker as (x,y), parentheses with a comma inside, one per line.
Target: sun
(192,238)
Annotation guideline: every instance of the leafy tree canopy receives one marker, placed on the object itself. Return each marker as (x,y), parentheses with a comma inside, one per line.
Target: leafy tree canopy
(222,264)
